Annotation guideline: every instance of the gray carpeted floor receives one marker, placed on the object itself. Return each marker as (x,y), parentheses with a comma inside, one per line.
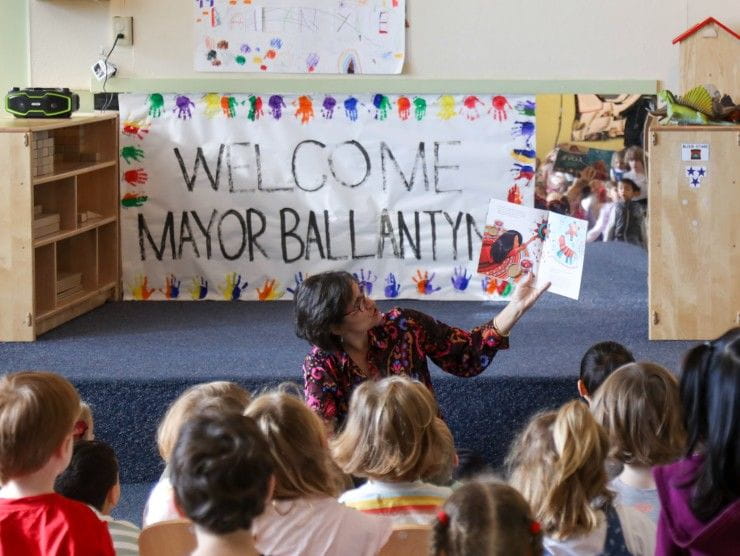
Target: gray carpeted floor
(129,360)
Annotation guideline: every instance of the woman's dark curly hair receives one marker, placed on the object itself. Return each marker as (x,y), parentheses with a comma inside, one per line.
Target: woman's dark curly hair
(221,469)
(320,302)
(503,244)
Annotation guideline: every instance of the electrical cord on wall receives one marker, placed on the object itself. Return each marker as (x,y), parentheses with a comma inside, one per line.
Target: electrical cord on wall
(109,97)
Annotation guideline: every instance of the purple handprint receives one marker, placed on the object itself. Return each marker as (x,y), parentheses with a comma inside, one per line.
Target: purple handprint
(460,278)
(365,282)
(392,288)
(312,60)
(298,278)
(182,107)
(327,107)
(524,129)
(276,104)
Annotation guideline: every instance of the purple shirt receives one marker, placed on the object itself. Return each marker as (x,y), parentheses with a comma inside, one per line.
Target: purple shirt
(398,346)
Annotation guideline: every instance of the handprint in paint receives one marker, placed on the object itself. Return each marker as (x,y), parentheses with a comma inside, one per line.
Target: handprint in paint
(171,287)
(255,108)
(514,195)
(156,105)
(446,107)
(199,288)
(350,108)
(523,171)
(276,104)
(182,107)
(365,281)
(382,106)
(328,106)
(524,129)
(133,200)
(424,284)
(312,60)
(135,129)
(213,105)
(420,108)
(392,287)
(403,104)
(499,104)
(233,288)
(460,278)
(493,286)
(270,290)
(136,176)
(131,154)
(525,107)
(305,108)
(140,290)
(470,107)
(228,106)
(298,279)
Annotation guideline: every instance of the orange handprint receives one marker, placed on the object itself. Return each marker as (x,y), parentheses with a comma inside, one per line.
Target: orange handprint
(424,283)
(270,290)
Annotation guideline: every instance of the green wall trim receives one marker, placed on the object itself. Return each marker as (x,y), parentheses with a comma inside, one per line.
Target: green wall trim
(359,84)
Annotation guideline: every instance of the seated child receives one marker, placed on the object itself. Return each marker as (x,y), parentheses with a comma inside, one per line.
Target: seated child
(390,438)
(226,396)
(304,516)
(557,464)
(599,361)
(442,471)
(629,218)
(37,415)
(84,426)
(222,474)
(486,517)
(603,228)
(634,158)
(92,478)
(700,494)
(638,406)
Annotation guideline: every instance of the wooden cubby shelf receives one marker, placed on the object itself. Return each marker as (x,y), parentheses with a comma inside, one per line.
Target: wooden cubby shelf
(59,229)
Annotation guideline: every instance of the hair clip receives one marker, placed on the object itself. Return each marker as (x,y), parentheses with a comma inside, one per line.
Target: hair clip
(535,528)
(443,518)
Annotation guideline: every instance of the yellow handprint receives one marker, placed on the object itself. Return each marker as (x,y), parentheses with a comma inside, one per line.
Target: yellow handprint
(213,104)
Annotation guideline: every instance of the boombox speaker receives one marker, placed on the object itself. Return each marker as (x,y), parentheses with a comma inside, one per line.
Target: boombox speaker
(41,103)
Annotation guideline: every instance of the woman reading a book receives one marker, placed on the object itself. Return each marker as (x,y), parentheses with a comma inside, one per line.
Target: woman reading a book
(352,341)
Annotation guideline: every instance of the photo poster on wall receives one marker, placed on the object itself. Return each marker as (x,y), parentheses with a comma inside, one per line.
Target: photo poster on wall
(229,197)
(311,36)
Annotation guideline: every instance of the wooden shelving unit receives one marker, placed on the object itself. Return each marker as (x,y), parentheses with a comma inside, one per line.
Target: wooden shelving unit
(46,280)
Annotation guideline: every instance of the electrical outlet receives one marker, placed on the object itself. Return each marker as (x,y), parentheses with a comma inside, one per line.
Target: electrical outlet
(124,26)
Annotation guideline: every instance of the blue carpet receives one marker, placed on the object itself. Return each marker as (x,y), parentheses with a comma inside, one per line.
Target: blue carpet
(130,360)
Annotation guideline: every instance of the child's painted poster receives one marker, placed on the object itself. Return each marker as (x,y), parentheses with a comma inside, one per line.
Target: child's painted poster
(518,240)
(230,197)
(310,36)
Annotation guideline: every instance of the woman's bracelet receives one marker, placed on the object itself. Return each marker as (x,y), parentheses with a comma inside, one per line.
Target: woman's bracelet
(496,329)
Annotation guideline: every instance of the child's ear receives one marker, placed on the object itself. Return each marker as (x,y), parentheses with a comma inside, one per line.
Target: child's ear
(582,391)
(112,498)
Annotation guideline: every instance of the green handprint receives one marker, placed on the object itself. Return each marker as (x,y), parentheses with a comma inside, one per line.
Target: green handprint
(420,108)
(156,105)
(132,153)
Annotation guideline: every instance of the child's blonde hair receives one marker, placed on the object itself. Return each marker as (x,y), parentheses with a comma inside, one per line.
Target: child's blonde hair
(557,463)
(389,433)
(442,468)
(37,411)
(221,394)
(639,407)
(297,440)
(486,517)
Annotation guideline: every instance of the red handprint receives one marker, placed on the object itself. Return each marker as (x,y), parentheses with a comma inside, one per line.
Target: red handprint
(137,176)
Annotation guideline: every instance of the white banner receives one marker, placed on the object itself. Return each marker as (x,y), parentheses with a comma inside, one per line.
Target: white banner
(310,36)
(240,196)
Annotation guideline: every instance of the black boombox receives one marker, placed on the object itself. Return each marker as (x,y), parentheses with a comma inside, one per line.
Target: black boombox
(41,103)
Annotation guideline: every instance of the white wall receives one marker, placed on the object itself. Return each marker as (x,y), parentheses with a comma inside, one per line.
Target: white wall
(496,39)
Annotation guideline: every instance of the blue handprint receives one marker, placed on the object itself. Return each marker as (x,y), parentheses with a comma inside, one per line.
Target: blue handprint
(238,288)
(365,282)
(392,288)
(460,278)
(298,277)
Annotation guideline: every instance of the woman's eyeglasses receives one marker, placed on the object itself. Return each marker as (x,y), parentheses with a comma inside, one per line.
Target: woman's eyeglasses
(360,304)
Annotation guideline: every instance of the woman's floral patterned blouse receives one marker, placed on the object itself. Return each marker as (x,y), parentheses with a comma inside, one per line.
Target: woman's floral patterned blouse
(400,345)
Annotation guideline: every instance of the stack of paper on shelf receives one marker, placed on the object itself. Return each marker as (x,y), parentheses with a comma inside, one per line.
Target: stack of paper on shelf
(68,284)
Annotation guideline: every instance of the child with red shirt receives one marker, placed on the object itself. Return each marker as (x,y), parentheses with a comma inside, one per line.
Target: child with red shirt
(38,411)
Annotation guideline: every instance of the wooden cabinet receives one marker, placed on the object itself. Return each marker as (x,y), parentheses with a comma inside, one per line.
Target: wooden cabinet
(59,254)
(694,231)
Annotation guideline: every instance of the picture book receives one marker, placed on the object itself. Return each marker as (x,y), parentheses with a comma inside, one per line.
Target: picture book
(518,240)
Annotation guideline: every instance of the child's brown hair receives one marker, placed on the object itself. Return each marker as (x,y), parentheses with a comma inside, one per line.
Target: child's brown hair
(298,443)
(557,464)
(224,395)
(37,412)
(486,517)
(389,434)
(639,407)
(441,470)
